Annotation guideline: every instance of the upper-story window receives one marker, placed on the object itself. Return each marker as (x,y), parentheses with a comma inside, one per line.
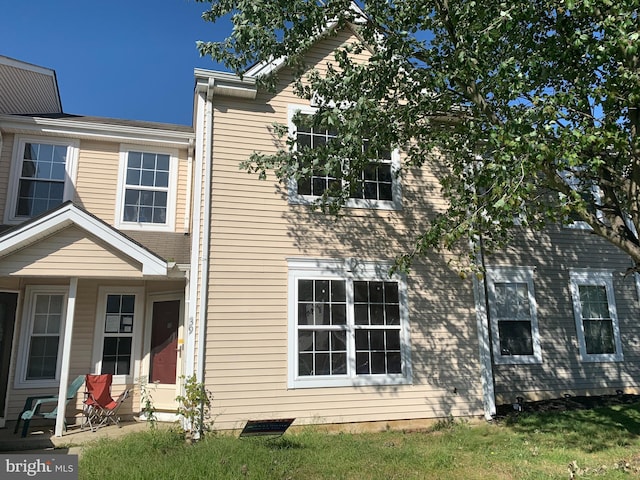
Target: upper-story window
(147,189)
(380,187)
(43,171)
(595,314)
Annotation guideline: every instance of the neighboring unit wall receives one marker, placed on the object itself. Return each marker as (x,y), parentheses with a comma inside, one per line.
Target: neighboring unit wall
(255,231)
(553,255)
(96,189)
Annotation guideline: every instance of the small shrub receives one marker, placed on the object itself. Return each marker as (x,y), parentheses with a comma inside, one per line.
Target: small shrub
(194,406)
(148,409)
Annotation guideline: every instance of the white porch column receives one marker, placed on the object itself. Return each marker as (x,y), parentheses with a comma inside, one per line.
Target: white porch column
(66,356)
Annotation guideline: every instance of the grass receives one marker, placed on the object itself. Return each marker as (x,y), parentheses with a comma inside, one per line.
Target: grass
(602,443)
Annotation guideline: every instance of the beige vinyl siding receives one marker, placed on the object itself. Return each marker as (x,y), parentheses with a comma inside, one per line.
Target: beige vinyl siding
(97,181)
(255,230)
(6,152)
(97,178)
(70,252)
(553,254)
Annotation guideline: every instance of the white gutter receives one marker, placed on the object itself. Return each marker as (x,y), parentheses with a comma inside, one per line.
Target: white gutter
(152,135)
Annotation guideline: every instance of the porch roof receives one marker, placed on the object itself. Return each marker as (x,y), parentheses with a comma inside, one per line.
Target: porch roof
(70,215)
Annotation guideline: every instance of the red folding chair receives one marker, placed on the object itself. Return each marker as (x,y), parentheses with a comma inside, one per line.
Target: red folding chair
(99,406)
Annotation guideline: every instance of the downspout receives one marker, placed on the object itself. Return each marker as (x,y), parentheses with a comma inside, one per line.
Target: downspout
(206,231)
(484,332)
(206,241)
(196,243)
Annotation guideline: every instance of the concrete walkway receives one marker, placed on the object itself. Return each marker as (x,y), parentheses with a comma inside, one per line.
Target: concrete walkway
(72,441)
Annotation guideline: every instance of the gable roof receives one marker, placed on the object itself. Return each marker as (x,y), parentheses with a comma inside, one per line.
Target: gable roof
(69,214)
(229,84)
(271,66)
(27,89)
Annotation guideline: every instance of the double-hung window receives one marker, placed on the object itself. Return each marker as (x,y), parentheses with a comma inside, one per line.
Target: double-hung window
(595,315)
(348,325)
(380,187)
(118,326)
(41,336)
(42,176)
(147,189)
(512,309)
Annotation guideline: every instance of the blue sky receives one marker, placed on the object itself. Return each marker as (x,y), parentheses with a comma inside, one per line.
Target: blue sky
(130,59)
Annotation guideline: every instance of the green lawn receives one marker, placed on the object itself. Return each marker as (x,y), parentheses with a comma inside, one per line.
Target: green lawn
(603,443)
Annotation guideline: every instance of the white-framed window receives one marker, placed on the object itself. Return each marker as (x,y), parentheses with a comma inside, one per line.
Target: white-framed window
(348,324)
(381,187)
(594,309)
(41,336)
(147,186)
(514,321)
(591,195)
(43,171)
(118,331)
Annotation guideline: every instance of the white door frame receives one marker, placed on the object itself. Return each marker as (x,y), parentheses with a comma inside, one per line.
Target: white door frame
(146,358)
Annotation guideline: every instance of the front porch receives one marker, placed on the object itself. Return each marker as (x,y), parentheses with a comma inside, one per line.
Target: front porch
(78,297)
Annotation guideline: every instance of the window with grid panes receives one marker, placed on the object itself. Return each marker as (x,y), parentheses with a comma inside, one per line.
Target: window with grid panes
(377,178)
(349,328)
(118,334)
(146,188)
(42,174)
(595,315)
(45,336)
(41,337)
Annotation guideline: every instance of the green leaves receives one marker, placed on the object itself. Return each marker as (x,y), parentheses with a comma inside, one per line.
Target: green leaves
(533,89)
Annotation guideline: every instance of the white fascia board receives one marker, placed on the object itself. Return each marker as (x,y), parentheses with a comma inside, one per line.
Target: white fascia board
(96,131)
(152,265)
(12,62)
(225,84)
(271,66)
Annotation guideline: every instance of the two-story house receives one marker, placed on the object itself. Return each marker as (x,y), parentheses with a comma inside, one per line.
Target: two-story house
(143,250)
(303,320)
(95,247)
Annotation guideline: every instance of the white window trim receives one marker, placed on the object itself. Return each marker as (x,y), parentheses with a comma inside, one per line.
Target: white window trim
(71,167)
(172,191)
(595,278)
(136,339)
(519,275)
(25,335)
(396,187)
(597,195)
(345,270)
